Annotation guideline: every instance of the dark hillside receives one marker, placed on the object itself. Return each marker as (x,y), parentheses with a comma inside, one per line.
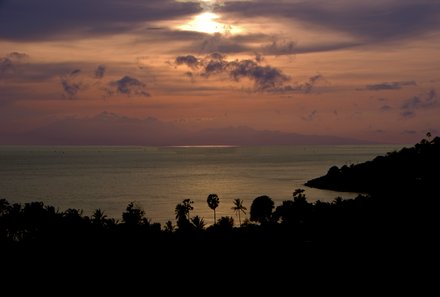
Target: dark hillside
(409,169)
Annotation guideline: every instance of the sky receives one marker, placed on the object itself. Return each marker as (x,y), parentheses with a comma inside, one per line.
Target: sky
(151,71)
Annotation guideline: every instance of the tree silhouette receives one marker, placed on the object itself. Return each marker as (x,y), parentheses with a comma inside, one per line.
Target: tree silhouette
(182,212)
(169,227)
(213,202)
(133,215)
(99,218)
(294,211)
(239,208)
(261,209)
(198,222)
(225,223)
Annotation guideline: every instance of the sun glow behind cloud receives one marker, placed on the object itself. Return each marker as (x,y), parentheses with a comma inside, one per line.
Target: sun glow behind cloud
(208,21)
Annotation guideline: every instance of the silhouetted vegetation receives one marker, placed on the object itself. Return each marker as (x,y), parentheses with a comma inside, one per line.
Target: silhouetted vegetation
(400,207)
(408,169)
(239,208)
(213,202)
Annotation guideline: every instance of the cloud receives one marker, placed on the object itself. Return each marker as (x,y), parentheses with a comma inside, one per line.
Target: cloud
(100,71)
(222,43)
(372,21)
(408,114)
(71,83)
(385,107)
(421,102)
(280,47)
(69,19)
(6,67)
(301,87)
(269,45)
(310,117)
(129,86)
(9,62)
(396,85)
(264,77)
(189,60)
(74,82)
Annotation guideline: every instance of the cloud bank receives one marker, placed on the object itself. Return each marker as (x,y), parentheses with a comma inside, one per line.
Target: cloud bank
(265,78)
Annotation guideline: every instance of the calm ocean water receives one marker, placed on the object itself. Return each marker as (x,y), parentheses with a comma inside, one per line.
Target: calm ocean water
(158,178)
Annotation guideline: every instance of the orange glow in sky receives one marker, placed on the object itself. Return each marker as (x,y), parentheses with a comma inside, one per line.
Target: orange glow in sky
(366,71)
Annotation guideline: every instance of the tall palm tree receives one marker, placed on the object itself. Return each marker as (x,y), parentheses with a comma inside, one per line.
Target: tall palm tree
(239,208)
(213,202)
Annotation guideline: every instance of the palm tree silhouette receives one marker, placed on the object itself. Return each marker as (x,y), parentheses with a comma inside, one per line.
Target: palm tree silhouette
(182,212)
(198,223)
(213,202)
(238,208)
(98,217)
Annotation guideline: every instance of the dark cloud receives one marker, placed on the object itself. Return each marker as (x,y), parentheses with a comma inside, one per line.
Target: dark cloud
(385,107)
(71,84)
(421,102)
(220,43)
(6,67)
(74,82)
(311,116)
(129,86)
(189,60)
(100,71)
(16,56)
(396,85)
(409,132)
(269,45)
(264,77)
(9,62)
(243,43)
(301,87)
(408,114)
(279,47)
(48,19)
(369,21)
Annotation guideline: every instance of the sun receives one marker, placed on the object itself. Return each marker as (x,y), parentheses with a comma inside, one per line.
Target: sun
(209,22)
(205,22)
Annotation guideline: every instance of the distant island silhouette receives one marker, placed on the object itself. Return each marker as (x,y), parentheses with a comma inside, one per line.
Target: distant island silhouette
(109,128)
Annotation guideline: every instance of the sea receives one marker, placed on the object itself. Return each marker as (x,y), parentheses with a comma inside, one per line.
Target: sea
(158,178)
